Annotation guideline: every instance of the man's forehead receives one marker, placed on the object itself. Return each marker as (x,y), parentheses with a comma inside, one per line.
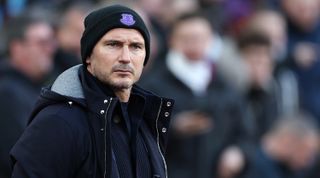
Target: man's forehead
(39,29)
(123,33)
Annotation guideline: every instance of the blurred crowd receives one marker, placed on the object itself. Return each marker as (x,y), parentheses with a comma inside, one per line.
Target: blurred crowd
(244,75)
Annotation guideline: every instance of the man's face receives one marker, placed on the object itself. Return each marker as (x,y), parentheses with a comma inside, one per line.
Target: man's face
(303,152)
(69,34)
(117,59)
(259,62)
(303,13)
(192,38)
(38,48)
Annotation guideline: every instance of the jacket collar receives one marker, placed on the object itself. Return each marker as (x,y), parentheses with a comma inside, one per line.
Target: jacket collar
(70,85)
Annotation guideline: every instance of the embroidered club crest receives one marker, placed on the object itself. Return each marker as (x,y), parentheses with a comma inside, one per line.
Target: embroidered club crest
(127,19)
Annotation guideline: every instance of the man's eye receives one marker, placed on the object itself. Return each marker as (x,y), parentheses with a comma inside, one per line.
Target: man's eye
(113,44)
(136,46)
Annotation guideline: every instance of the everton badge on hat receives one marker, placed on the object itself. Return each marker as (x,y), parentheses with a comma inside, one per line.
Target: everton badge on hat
(127,19)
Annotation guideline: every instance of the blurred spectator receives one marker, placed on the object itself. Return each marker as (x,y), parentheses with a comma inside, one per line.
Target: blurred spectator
(157,33)
(161,14)
(69,31)
(262,93)
(153,10)
(223,52)
(30,47)
(303,19)
(304,15)
(208,115)
(272,24)
(166,11)
(287,149)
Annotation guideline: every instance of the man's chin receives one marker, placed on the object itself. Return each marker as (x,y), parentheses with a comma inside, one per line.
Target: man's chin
(121,85)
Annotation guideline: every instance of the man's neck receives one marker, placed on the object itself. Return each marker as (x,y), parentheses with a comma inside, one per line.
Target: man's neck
(123,94)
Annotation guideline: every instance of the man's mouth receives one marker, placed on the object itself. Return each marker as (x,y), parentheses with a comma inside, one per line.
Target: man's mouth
(123,71)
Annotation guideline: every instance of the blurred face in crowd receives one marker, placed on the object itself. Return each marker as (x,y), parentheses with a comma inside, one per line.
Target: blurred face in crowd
(273,25)
(34,52)
(118,57)
(192,38)
(259,62)
(167,10)
(152,7)
(295,147)
(175,8)
(70,32)
(304,13)
(298,151)
(303,152)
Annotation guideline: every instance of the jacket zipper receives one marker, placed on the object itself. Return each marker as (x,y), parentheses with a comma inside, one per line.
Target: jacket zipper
(158,141)
(105,139)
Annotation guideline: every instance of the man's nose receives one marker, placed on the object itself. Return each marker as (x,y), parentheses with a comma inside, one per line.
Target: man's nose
(125,55)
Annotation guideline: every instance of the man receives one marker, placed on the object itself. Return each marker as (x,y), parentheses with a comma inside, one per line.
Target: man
(30,47)
(68,32)
(272,25)
(287,149)
(208,114)
(262,93)
(94,121)
(303,49)
(275,32)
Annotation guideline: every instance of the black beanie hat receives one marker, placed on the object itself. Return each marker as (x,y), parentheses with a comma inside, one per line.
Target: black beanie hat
(100,21)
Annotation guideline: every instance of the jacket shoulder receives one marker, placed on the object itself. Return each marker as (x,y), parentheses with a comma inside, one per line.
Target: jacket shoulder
(67,112)
(57,132)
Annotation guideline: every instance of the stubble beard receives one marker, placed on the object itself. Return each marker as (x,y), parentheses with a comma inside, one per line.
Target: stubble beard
(114,84)
(115,81)
(120,86)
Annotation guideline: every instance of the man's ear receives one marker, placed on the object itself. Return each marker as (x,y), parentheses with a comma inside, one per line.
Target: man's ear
(88,61)
(88,64)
